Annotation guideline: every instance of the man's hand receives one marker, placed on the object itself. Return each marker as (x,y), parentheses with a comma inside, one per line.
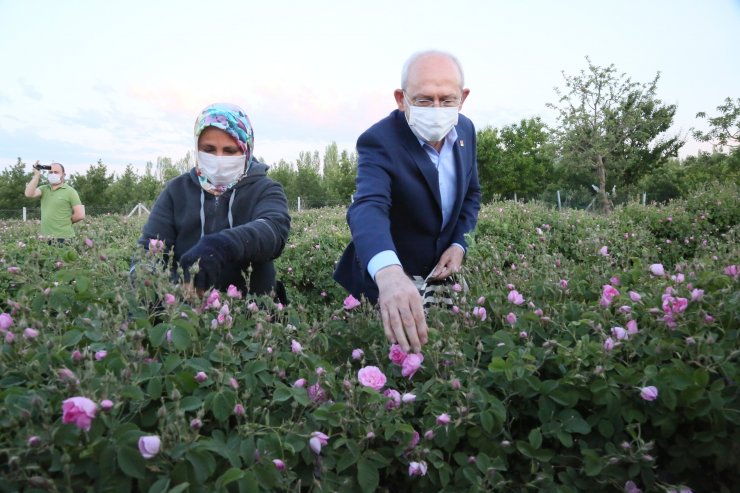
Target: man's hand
(449,263)
(401,309)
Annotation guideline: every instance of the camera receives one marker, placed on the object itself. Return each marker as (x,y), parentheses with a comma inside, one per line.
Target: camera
(40,167)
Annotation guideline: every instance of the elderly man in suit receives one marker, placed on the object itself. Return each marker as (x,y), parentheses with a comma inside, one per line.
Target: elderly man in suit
(417,196)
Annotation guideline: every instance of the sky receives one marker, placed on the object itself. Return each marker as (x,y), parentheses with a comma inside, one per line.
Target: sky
(123,81)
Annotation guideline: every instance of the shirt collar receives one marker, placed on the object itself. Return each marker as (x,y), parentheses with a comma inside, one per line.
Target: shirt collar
(450,138)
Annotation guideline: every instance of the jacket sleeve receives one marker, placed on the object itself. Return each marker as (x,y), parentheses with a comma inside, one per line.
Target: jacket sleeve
(369,215)
(264,237)
(471,203)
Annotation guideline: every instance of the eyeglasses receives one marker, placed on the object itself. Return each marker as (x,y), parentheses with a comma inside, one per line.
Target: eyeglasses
(428,103)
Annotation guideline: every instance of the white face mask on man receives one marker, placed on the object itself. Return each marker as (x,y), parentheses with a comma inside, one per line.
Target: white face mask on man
(54,178)
(221,170)
(429,123)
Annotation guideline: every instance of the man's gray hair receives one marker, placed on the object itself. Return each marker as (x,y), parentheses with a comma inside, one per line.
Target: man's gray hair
(421,54)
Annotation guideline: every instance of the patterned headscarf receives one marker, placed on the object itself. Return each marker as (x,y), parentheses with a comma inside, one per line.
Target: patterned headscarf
(234,121)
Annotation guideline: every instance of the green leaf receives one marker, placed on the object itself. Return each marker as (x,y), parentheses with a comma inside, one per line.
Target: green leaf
(71,337)
(249,483)
(535,438)
(180,488)
(131,462)
(486,420)
(157,334)
(228,477)
(191,403)
(282,393)
(592,464)
(181,338)
(203,463)
(160,485)
(367,475)
(573,422)
(223,405)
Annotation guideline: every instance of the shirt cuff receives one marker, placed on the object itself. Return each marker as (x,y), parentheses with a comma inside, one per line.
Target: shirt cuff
(461,247)
(382,260)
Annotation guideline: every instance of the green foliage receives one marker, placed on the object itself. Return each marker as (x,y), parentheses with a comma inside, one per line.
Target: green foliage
(724,129)
(536,404)
(13,182)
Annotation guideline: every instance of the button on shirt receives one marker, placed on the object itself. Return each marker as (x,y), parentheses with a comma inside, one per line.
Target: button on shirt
(444,161)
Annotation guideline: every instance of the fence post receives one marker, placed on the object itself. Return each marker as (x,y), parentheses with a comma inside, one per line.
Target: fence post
(24,214)
(515,200)
(299,204)
(643,198)
(559,206)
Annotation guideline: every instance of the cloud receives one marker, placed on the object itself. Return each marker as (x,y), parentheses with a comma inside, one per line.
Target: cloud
(30,91)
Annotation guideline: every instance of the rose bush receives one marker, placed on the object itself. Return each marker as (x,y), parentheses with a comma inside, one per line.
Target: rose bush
(199,397)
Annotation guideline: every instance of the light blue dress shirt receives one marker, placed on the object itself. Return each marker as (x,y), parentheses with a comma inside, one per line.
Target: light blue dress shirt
(444,161)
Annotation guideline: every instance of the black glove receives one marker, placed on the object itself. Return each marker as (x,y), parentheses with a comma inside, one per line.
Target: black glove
(213,251)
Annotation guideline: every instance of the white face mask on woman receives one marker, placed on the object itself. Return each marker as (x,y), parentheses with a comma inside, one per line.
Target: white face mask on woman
(221,170)
(431,124)
(54,178)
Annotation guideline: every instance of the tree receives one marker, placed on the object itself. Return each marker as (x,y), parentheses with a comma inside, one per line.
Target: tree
(516,159)
(309,185)
(93,185)
(284,174)
(13,182)
(123,193)
(725,128)
(611,125)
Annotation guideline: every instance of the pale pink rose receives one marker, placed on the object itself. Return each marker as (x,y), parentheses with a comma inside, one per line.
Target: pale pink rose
(397,355)
(350,302)
(239,410)
(417,468)
(149,446)
(106,404)
(317,393)
(609,344)
(632,327)
(411,364)
(455,383)
(429,435)
(481,300)
(443,419)
(657,270)
(30,333)
(295,346)
(320,371)
(697,294)
(100,355)
(523,334)
(156,246)
(234,383)
(678,278)
(625,309)
(5,322)
(510,287)
(66,374)
(371,376)
(169,299)
(511,318)
(649,393)
(76,355)
(619,333)
(15,269)
(456,287)
(480,312)
(608,294)
(233,292)
(317,441)
(455,309)
(88,242)
(539,312)
(564,283)
(408,398)
(300,383)
(79,411)
(201,377)
(604,251)
(9,337)
(674,305)
(415,438)
(515,297)
(635,296)
(394,398)
(733,271)
(614,281)
(370,435)
(196,424)
(357,354)
(279,465)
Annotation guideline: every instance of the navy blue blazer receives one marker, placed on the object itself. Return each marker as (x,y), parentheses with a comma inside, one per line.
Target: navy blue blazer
(397,203)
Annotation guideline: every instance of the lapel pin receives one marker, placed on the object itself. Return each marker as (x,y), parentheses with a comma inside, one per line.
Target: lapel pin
(462,143)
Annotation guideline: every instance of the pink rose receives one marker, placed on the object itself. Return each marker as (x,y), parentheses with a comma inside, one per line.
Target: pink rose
(456,287)
(350,302)
(79,411)
(106,404)
(515,297)
(443,419)
(481,300)
(100,355)
(635,296)
(415,438)
(697,294)
(564,283)
(411,364)
(733,271)
(632,327)
(5,322)
(233,292)
(608,294)
(317,393)
(295,346)
(201,377)
(371,376)
(30,333)
(455,383)
(317,441)
(609,344)
(234,383)
(149,446)
(279,465)
(397,355)
(657,270)
(649,393)
(357,354)
(614,281)
(511,318)
(394,398)
(239,410)
(408,398)
(417,468)
(155,246)
(480,313)
(604,251)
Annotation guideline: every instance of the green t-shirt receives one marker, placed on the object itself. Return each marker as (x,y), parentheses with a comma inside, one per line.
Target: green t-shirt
(56,210)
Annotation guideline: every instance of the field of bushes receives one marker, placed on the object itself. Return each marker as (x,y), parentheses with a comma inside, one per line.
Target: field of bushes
(591,353)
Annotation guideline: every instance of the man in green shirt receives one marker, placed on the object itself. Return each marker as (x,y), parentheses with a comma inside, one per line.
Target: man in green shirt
(60,203)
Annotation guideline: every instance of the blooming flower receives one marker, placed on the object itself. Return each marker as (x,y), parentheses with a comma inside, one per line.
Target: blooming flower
(443,419)
(635,296)
(196,424)
(350,302)
(201,377)
(100,355)
(357,354)
(697,294)
(239,410)
(456,287)
(397,355)
(657,270)
(511,318)
(106,404)
(233,292)
(295,346)
(480,313)
(5,322)
(30,333)
(674,305)
(455,383)
(408,398)
(515,297)
(149,446)
(371,376)
(411,364)
(394,398)
(279,465)
(79,411)
(649,393)
(619,333)
(300,383)
(733,271)
(609,344)
(169,299)
(417,468)
(317,393)
(632,327)
(564,283)
(156,246)
(604,251)
(614,281)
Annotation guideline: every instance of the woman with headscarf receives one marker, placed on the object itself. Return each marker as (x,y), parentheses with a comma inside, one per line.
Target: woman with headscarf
(225,213)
